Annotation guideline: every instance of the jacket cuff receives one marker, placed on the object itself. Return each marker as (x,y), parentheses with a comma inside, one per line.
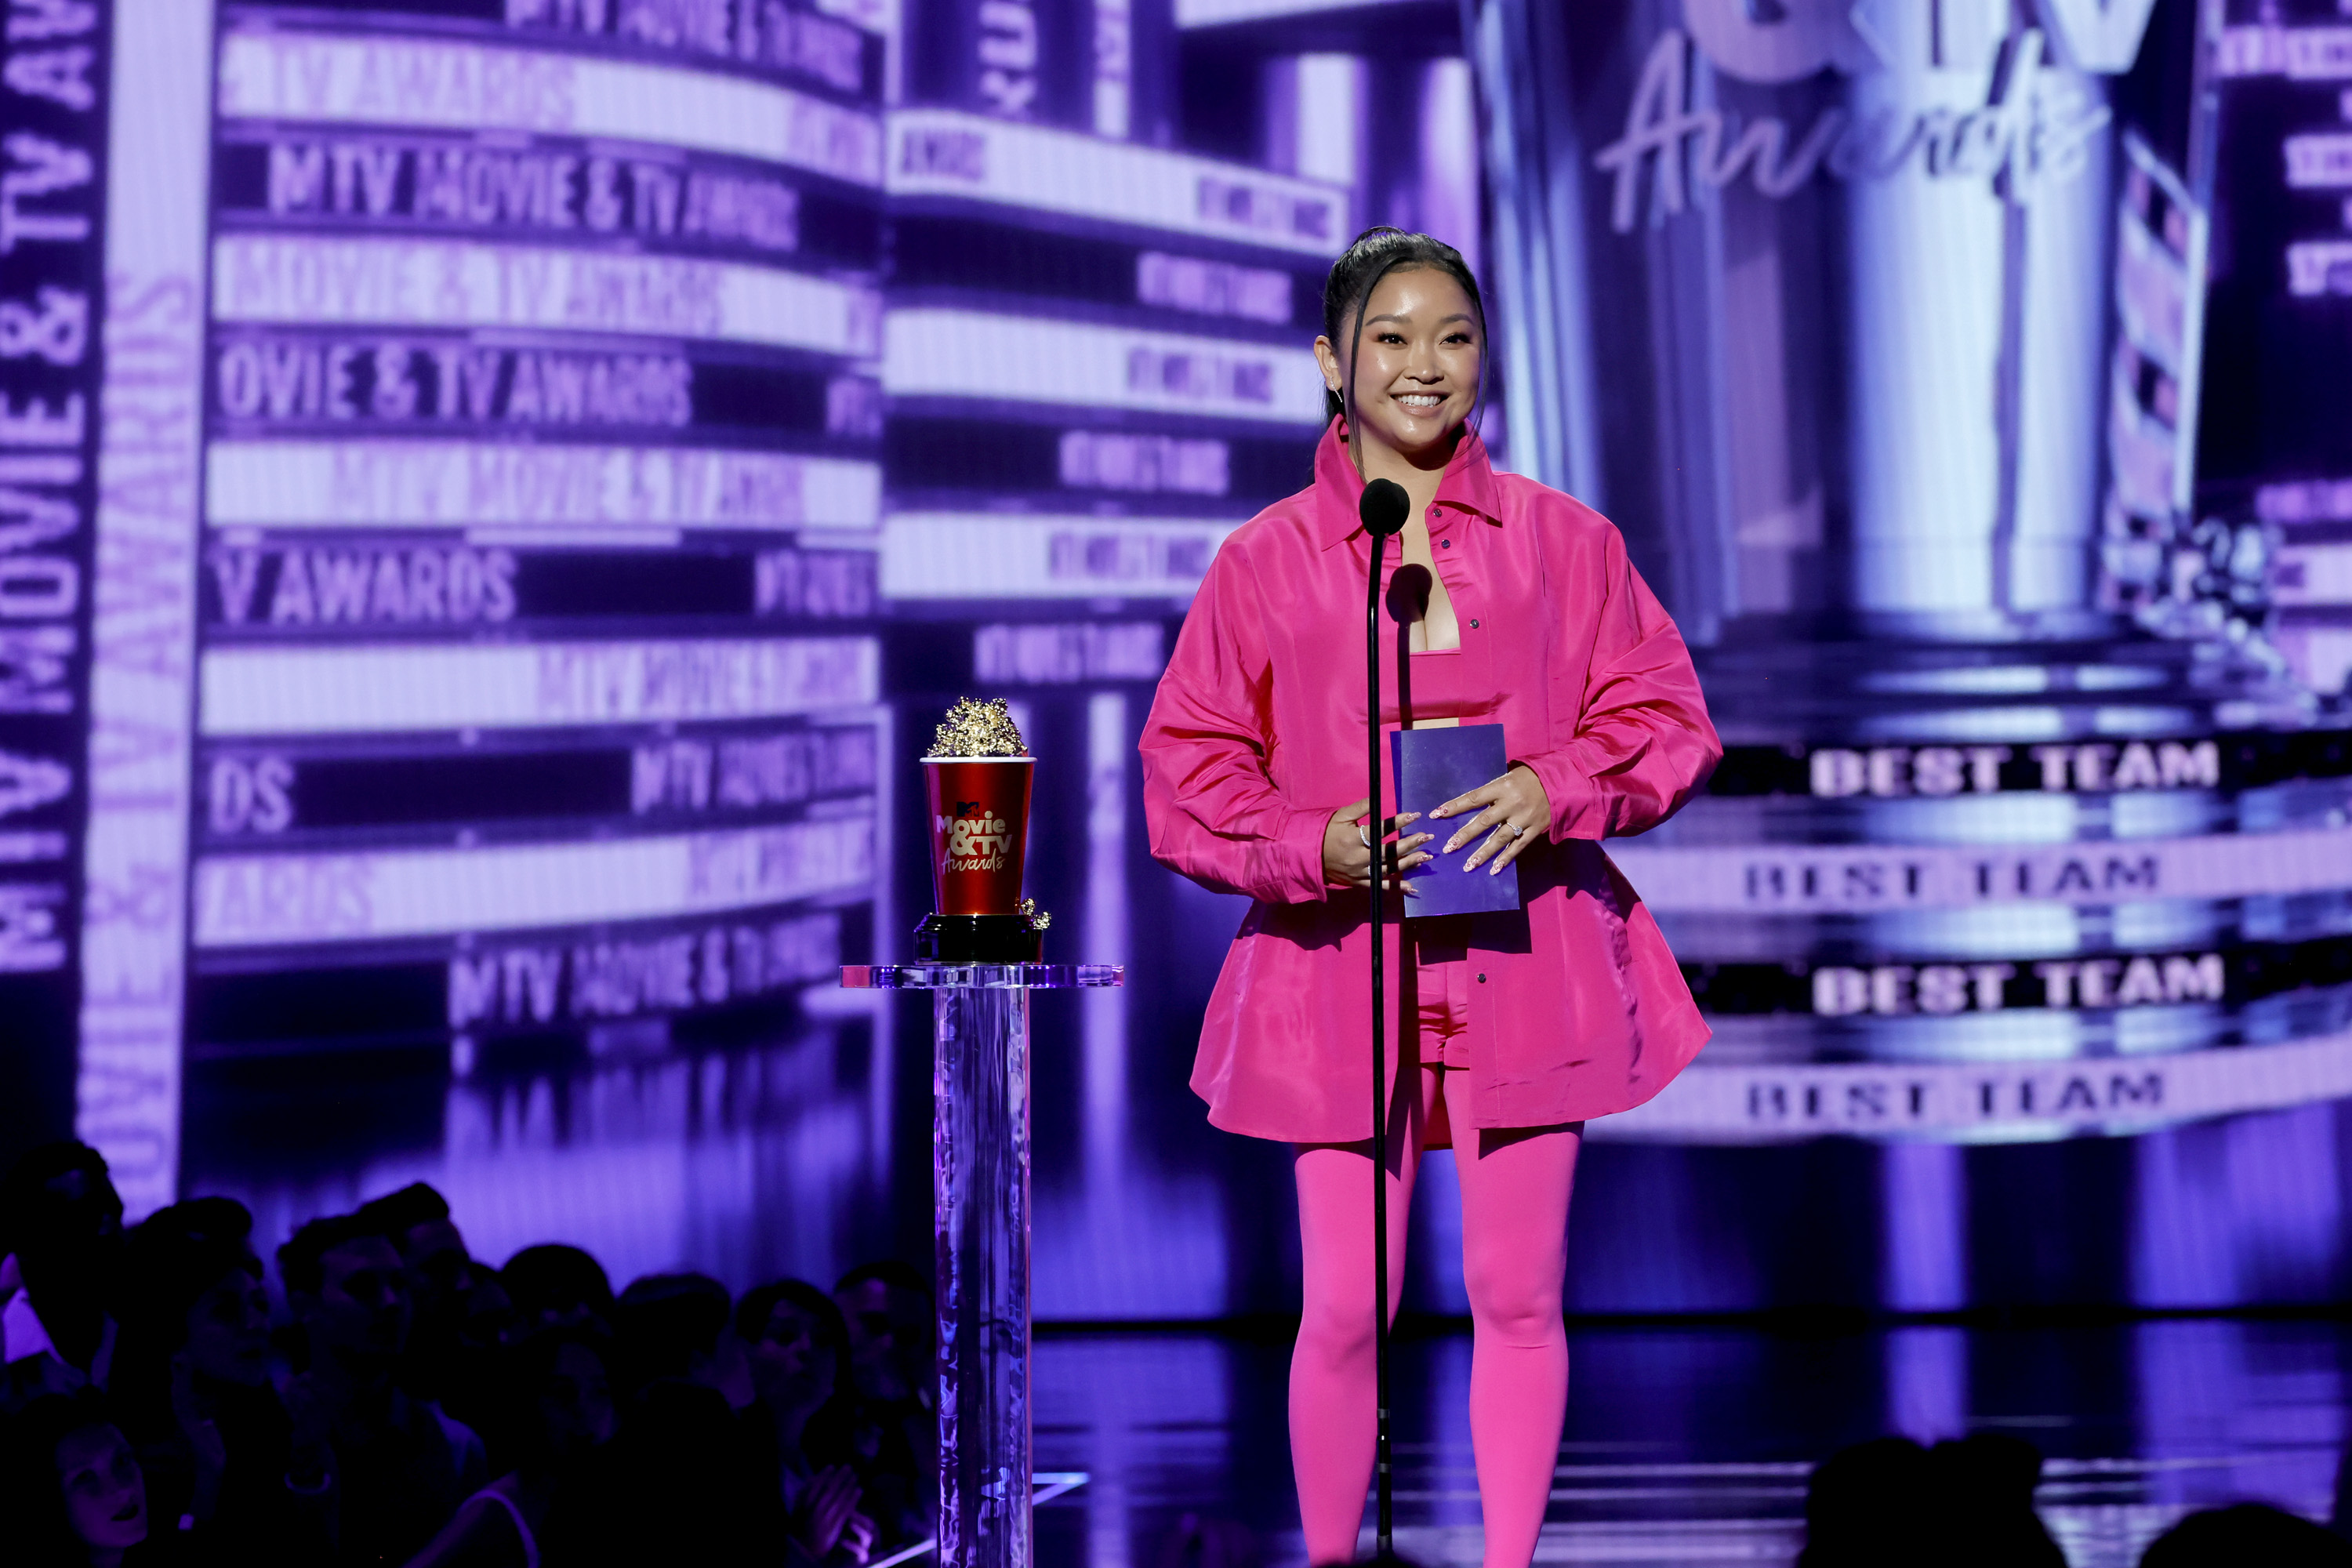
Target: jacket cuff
(1299,854)
(1575,802)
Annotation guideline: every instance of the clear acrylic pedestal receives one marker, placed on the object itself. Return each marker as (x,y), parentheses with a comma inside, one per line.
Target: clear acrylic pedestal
(980,1199)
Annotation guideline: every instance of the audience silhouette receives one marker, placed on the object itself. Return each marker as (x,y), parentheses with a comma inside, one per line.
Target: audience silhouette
(395,1400)
(385,1398)
(2246,1535)
(1969,1503)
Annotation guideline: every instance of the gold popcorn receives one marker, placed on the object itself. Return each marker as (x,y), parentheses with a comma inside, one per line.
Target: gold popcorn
(1038,918)
(978,729)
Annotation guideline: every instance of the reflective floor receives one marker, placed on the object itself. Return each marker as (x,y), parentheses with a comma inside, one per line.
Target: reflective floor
(1691,1445)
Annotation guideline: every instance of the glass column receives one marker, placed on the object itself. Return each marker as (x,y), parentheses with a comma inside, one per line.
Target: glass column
(980,1191)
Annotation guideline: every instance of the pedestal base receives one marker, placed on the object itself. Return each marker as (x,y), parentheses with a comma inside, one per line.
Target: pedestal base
(979,1195)
(979,939)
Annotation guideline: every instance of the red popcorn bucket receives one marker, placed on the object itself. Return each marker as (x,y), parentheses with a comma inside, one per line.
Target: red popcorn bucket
(980,831)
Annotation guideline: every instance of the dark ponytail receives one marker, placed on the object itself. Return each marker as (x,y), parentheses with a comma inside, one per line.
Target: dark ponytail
(1348,292)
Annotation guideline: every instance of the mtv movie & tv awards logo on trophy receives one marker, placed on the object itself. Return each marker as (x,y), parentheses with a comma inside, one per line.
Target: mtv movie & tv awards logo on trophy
(977,841)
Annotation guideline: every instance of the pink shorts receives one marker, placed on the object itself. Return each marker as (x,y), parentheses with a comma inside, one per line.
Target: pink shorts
(1442,981)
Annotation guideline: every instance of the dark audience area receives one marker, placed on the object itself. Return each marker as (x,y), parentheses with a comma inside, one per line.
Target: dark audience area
(375,1394)
(1969,1503)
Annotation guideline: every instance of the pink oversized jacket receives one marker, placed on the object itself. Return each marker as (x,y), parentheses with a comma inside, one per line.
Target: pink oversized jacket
(1256,737)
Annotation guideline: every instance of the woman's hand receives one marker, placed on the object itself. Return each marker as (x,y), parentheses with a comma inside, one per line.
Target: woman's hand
(1348,847)
(826,1509)
(1513,812)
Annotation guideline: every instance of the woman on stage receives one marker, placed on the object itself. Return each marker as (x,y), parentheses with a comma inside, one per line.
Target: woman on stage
(1513,1028)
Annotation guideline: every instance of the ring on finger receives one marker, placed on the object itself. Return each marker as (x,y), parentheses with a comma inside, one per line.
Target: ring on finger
(1512,828)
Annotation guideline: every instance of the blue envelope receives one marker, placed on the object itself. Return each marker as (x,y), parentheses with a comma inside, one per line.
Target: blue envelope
(1433,766)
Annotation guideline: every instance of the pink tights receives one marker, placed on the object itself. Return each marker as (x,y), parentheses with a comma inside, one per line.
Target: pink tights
(1515,1191)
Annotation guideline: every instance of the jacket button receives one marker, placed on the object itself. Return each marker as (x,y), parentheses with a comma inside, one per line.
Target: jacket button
(1445,544)
(1481,980)
(1474,623)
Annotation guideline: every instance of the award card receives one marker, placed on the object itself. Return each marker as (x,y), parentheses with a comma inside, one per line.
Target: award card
(1432,767)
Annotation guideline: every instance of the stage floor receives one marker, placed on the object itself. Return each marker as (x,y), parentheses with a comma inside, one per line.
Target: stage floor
(1691,1445)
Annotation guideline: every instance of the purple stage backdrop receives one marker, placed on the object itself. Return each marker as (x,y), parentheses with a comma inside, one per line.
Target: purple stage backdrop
(496,492)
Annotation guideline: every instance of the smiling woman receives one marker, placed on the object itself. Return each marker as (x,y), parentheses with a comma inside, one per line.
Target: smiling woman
(1407,308)
(1457,316)
(1519,608)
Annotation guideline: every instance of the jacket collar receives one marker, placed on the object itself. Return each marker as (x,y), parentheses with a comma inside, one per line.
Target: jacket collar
(1468,484)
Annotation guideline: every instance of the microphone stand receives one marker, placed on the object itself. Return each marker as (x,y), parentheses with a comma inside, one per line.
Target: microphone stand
(1384,512)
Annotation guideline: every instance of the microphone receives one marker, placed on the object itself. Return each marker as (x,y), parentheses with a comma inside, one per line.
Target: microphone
(1383,508)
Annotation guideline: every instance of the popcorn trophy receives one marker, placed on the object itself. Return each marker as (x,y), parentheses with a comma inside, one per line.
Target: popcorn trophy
(977,779)
(979,953)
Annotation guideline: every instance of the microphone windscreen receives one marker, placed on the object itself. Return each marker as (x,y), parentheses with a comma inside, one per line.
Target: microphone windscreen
(1383,508)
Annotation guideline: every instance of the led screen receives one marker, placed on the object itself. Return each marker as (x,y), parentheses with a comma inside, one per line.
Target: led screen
(497,491)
